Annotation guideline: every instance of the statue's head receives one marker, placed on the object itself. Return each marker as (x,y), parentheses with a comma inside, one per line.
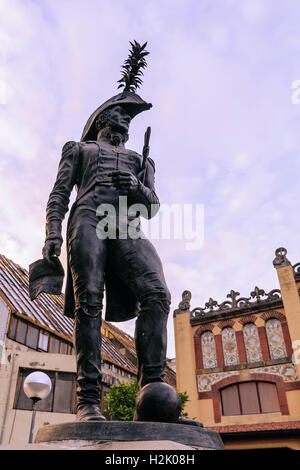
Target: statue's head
(120,109)
(114,119)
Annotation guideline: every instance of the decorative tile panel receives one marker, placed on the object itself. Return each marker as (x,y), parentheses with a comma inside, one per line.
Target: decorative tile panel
(208,346)
(252,343)
(288,372)
(275,339)
(205,381)
(230,351)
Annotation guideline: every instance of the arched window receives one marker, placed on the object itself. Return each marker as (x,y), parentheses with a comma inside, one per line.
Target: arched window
(231,356)
(275,339)
(246,398)
(252,343)
(208,346)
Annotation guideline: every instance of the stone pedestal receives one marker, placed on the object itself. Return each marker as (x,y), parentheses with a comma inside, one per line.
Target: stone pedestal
(113,433)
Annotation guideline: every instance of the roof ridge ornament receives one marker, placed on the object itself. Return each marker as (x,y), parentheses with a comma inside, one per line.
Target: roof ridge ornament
(280,259)
(184,304)
(296,268)
(211,304)
(257,293)
(237,303)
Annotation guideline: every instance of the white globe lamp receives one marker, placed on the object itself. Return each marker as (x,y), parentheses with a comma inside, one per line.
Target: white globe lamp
(37,386)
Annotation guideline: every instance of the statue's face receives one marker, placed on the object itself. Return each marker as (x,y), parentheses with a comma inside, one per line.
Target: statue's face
(119,119)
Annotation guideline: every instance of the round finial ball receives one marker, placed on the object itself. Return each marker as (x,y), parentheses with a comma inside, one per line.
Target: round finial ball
(37,385)
(158,401)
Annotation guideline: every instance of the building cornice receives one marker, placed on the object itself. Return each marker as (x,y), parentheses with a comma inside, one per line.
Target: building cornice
(237,306)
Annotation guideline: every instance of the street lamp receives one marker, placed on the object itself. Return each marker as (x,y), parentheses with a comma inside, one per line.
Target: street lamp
(37,386)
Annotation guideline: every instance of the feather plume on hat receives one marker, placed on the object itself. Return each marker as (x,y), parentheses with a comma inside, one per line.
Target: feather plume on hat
(132,69)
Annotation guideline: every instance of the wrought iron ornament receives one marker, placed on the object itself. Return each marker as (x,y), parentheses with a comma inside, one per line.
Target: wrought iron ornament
(236,302)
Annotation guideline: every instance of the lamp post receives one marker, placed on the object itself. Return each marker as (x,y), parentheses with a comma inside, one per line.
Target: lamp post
(37,386)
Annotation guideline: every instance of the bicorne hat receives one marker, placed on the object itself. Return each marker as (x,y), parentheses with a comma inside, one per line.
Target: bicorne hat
(45,277)
(132,70)
(134,105)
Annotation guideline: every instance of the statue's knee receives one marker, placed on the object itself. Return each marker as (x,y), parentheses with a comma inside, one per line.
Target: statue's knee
(86,310)
(164,296)
(157,297)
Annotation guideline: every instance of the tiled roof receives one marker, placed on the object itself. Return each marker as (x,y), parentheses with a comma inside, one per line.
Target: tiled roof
(123,337)
(111,353)
(238,428)
(47,311)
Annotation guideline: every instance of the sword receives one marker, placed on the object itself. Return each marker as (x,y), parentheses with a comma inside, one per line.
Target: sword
(146,150)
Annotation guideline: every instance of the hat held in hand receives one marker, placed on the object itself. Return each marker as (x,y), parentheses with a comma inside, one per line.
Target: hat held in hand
(45,277)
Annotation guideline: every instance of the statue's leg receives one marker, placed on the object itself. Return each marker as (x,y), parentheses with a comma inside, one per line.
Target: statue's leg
(140,268)
(87,257)
(151,337)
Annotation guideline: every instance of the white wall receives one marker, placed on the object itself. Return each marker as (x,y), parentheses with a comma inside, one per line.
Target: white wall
(4,316)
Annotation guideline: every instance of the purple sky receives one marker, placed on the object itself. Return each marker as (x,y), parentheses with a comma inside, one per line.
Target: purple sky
(225,132)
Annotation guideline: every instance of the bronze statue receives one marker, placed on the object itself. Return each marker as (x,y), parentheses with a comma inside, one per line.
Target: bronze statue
(102,169)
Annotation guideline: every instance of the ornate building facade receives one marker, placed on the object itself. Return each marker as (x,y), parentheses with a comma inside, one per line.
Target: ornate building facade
(239,362)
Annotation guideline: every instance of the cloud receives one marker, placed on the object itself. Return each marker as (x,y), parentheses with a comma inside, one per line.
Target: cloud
(224,129)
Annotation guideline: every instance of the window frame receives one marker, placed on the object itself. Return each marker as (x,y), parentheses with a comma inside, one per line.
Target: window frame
(17,331)
(41,330)
(256,382)
(53,339)
(33,327)
(45,333)
(23,372)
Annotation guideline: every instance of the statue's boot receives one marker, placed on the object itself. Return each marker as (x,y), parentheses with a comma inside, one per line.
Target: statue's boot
(88,356)
(151,338)
(89,412)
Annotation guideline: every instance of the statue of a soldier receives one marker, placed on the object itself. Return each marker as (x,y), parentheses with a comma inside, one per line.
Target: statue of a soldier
(102,169)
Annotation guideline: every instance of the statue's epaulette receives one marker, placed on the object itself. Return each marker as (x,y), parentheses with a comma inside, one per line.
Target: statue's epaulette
(68,146)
